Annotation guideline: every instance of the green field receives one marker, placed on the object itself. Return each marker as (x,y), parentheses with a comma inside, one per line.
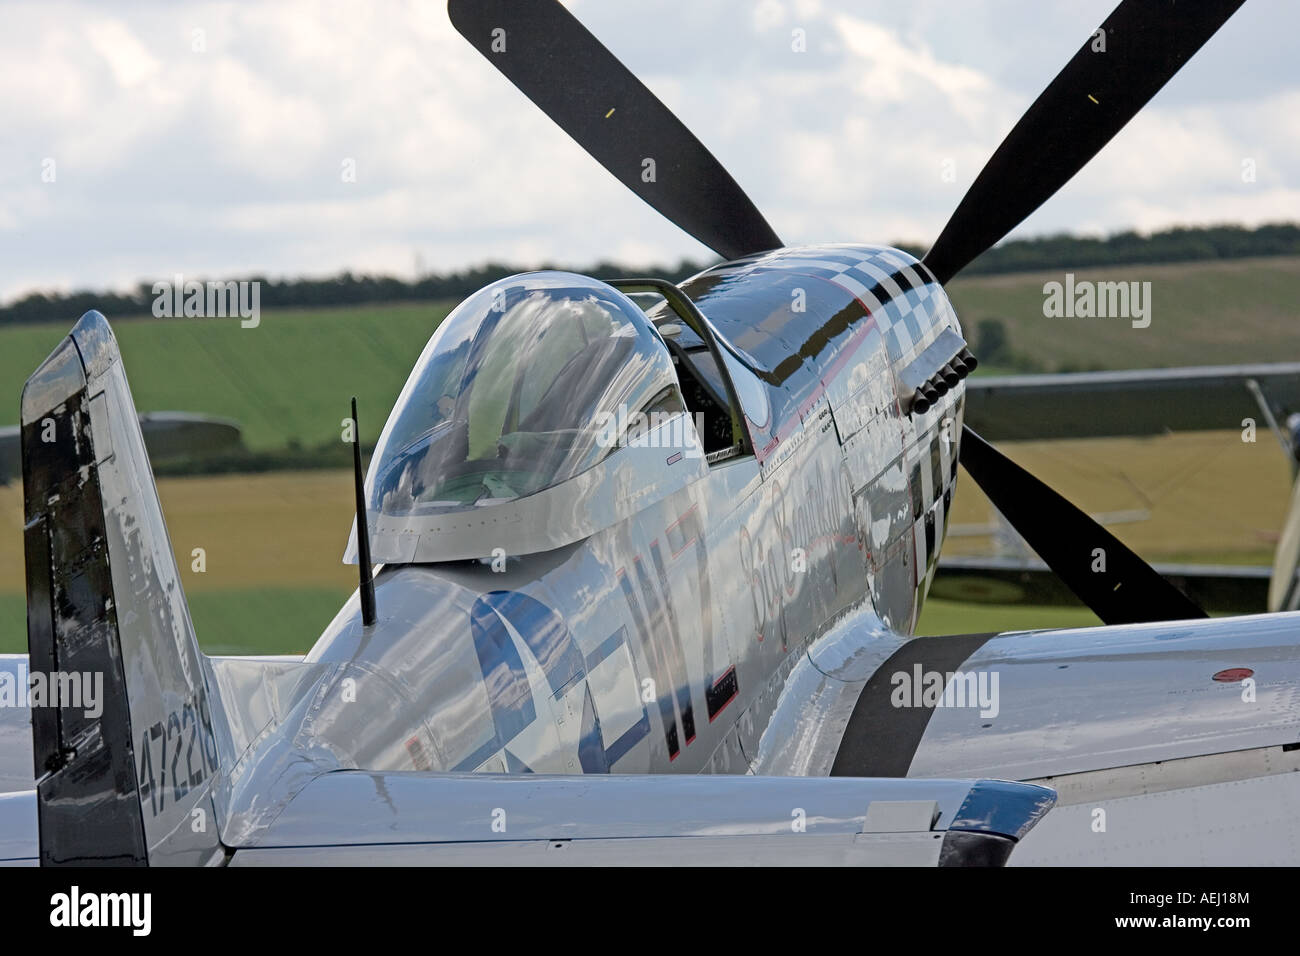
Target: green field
(273,541)
(1202,313)
(289,379)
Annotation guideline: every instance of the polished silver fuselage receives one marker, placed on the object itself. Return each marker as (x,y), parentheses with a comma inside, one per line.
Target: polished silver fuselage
(663,642)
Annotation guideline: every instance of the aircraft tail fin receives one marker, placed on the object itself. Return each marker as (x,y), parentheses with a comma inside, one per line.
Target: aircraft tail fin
(122,724)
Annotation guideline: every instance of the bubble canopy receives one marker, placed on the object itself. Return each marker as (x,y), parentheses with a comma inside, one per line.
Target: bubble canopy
(515,393)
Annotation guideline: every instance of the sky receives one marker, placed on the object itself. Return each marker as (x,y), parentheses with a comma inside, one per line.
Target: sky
(147,139)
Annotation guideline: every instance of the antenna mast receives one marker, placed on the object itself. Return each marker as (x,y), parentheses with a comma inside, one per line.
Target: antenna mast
(363,527)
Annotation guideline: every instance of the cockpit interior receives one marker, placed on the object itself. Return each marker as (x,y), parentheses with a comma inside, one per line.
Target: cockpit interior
(530,382)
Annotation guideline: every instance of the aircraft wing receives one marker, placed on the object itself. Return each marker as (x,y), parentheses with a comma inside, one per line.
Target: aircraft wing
(1174,743)
(1128,403)
(353,817)
(359,818)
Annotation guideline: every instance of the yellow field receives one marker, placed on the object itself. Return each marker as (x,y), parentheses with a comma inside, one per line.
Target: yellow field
(282,529)
(1211,497)
(273,543)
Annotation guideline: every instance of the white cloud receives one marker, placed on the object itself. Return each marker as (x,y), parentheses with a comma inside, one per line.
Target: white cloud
(129,60)
(229,159)
(891,70)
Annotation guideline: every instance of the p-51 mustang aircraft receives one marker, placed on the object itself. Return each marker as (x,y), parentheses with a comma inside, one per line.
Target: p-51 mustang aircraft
(650,558)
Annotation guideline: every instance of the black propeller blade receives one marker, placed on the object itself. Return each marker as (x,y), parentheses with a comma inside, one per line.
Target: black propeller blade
(1115,583)
(553,59)
(1146,43)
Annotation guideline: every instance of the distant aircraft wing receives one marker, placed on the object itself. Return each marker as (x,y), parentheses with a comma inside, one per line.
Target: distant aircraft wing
(166,435)
(1128,403)
(1224,589)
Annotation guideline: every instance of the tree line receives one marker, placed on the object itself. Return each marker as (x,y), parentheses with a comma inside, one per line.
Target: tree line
(1183,244)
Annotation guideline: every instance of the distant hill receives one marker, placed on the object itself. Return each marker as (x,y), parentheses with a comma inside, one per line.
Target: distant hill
(1197,244)
(287,382)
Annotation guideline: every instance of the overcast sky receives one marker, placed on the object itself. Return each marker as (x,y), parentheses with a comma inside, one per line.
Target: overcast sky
(221,152)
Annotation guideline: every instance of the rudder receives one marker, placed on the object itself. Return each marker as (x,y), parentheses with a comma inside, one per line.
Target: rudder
(132,779)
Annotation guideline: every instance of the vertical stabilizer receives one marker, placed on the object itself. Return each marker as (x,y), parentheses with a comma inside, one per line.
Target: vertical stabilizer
(125,755)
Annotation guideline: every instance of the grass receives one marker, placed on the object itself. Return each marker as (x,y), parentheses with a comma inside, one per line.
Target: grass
(274,620)
(957,617)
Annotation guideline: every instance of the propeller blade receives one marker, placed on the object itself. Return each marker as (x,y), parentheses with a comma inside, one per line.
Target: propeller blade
(555,61)
(1115,583)
(1146,43)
